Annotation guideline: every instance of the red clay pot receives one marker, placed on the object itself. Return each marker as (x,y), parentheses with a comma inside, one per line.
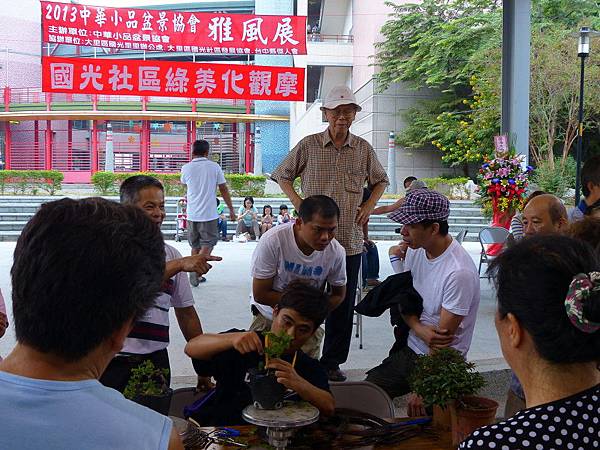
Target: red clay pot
(470,414)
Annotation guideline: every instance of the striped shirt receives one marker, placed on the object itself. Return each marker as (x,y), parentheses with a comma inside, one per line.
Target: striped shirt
(340,174)
(516,226)
(151,332)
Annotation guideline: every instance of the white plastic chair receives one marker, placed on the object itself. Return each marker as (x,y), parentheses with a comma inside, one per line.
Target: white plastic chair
(487,236)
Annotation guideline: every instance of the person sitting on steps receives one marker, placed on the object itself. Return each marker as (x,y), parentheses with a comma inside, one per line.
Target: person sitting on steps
(248,219)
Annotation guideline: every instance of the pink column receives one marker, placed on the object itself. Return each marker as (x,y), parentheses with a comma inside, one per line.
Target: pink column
(48,152)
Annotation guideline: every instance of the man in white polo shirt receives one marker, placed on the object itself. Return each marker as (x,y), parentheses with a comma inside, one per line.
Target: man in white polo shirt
(446,278)
(201,177)
(305,250)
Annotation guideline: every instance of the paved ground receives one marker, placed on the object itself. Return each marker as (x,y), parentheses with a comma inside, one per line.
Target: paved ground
(222,303)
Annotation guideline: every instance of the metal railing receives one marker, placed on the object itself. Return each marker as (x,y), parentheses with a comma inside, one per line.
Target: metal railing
(339,38)
(24,95)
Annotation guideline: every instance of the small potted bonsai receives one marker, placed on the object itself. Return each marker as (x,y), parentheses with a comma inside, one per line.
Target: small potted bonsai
(448,383)
(148,386)
(267,393)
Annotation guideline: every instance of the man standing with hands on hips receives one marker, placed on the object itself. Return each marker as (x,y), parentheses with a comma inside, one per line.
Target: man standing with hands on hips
(337,163)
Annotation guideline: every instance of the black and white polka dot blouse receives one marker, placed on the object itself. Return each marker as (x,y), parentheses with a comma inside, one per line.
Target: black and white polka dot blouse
(569,423)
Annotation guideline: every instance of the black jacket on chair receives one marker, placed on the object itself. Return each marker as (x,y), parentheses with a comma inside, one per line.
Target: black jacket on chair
(398,295)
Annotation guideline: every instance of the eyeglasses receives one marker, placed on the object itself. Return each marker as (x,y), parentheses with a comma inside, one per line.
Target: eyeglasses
(342,112)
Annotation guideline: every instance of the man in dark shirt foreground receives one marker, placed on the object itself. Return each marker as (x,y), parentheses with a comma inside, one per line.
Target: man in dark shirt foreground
(228,357)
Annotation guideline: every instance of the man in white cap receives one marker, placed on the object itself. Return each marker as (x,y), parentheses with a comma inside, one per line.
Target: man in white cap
(338,164)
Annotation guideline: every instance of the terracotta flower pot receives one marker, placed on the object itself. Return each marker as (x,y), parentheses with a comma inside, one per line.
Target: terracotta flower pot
(442,418)
(267,393)
(470,414)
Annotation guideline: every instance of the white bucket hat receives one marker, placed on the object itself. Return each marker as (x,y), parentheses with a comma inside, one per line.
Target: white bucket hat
(340,95)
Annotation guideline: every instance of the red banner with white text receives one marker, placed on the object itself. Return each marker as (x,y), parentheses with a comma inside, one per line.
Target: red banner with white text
(171,79)
(172,31)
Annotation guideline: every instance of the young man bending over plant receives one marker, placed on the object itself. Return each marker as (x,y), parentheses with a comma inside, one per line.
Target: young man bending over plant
(228,357)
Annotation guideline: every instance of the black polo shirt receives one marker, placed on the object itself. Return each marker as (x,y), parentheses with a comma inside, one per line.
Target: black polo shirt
(232,394)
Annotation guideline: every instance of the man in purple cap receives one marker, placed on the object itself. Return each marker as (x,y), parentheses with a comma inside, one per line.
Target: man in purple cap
(445,276)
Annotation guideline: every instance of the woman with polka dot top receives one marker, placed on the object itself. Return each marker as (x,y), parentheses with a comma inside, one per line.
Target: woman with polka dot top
(548,322)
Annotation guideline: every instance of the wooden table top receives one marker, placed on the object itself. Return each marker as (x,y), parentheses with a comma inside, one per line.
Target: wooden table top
(426,440)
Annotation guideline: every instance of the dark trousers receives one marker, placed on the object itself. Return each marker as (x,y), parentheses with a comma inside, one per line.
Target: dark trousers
(223,227)
(338,326)
(370,263)
(393,373)
(118,372)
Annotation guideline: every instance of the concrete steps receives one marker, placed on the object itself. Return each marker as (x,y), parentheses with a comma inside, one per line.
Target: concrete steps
(15,212)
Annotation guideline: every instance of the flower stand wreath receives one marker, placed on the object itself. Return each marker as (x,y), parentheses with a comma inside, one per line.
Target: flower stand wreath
(502,186)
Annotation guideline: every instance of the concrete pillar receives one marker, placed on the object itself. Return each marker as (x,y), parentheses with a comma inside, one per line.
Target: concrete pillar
(109,155)
(391,165)
(257,152)
(516,39)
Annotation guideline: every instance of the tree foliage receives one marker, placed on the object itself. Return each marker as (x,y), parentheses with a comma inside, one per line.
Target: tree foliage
(454,48)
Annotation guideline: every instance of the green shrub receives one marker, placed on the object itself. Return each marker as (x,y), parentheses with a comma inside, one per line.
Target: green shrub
(104,182)
(450,187)
(240,185)
(444,376)
(244,185)
(146,379)
(557,180)
(31,181)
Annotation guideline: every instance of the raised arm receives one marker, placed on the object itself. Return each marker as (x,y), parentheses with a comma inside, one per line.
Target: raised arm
(206,346)
(389,208)
(194,263)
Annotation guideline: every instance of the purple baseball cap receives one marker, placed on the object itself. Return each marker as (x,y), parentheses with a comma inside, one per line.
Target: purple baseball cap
(422,204)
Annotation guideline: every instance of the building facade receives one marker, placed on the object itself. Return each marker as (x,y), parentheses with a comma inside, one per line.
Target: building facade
(68,132)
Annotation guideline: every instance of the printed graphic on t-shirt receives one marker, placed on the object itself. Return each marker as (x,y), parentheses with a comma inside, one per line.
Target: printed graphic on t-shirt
(302,269)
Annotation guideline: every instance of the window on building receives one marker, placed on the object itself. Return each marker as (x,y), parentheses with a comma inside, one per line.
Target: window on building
(314,74)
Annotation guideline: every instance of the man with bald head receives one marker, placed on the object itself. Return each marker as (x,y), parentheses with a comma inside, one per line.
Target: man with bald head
(544,214)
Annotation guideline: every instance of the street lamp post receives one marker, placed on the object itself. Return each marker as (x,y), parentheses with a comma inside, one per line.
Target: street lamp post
(583,51)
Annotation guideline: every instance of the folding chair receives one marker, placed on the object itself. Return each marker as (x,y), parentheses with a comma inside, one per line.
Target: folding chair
(460,237)
(362,396)
(181,398)
(358,319)
(487,236)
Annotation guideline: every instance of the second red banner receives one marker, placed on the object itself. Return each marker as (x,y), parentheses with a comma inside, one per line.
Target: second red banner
(172,79)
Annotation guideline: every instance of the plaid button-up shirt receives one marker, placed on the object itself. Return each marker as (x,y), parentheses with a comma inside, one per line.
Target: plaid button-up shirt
(340,174)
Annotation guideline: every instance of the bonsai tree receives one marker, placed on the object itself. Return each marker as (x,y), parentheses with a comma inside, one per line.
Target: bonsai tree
(147,381)
(443,377)
(276,344)
(267,393)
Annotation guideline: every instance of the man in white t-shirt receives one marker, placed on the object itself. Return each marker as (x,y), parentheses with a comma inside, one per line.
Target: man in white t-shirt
(305,250)
(201,177)
(446,278)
